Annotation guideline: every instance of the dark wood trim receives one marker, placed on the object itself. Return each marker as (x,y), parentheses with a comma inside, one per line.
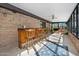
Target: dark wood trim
(16,9)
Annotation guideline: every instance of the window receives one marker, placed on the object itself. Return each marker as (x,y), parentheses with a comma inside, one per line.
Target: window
(55,25)
(73,22)
(78,21)
(74,32)
(43,24)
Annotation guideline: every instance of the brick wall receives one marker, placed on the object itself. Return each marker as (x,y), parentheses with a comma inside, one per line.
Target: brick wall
(9,23)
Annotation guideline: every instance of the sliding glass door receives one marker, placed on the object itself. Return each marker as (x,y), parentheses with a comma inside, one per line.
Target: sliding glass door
(73,22)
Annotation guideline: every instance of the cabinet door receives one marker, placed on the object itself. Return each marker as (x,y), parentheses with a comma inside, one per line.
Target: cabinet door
(22,36)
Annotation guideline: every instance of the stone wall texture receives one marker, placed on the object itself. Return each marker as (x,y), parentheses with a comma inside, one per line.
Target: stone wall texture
(10,22)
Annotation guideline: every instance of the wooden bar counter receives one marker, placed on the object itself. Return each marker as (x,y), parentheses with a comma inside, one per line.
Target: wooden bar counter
(25,35)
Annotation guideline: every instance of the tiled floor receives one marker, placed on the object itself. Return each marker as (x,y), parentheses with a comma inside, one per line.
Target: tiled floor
(51,46)
(54,45)
(72,49)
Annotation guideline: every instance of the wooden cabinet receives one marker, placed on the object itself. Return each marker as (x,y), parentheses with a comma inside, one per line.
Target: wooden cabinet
(27,35)
(22,37)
